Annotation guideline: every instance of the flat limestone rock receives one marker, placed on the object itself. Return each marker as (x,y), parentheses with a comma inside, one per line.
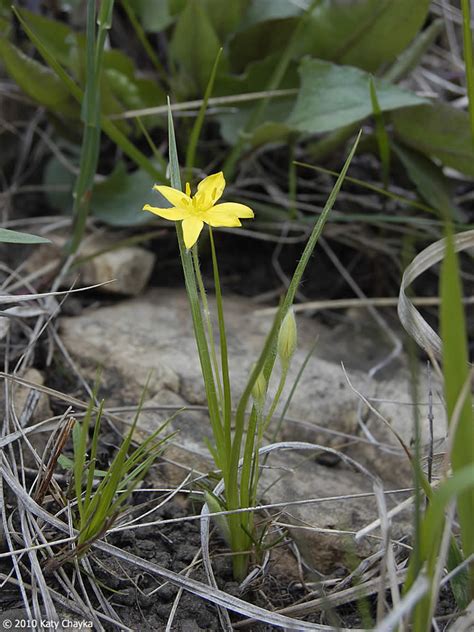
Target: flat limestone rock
(151,338)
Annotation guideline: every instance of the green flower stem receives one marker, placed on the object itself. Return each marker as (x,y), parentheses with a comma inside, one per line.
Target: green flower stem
(227,398)
(252,444)
(140,33)
(239,537)
(90,115)
(276,399)
(207,319)
(193,296)
(196,130)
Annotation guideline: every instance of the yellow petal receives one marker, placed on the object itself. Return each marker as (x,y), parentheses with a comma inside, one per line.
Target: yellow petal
(192,227)
(173,214)
(210,190)
(220,219)
(235,209)
(174,197)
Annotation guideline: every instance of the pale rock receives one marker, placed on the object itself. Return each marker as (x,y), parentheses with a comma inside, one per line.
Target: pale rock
(128,267)
(325,531)
(153,335)
(31,406)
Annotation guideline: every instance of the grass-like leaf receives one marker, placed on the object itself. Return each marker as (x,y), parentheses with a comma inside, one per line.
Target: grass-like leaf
(14,237)
(458,398)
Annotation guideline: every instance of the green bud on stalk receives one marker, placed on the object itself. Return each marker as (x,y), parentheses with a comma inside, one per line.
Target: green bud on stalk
(259,392)
(287,338)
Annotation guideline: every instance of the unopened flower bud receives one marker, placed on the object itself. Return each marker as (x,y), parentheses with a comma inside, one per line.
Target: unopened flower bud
(259,391)
(287,337)
(221,521)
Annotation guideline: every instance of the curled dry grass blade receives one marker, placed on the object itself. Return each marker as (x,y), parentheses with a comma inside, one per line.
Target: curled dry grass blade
(452,347)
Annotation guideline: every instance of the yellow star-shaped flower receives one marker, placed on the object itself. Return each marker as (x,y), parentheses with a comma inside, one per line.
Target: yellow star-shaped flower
(201,209)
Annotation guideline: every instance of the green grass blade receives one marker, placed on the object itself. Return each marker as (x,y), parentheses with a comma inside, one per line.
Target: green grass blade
(380,134)
(375,188)
(227,404)
(192,291)
(90,115)
(8,236)
(80,435)
(456,374)
(266,360)
(137,27)
(93,452)
(198,123)
(461,483)
(107,125)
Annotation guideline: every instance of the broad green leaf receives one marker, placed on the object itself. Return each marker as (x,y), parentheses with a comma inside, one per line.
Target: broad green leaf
(278,109)
(194,48)
(332,96)
(263,11)
(363,33)
(225,16)
(14,237)
(121,93)
(273,129)
(114,59)
(57,35)
(438,130)
(119,200)
(154,16)
(59,183)
(259,41)
(255,78)
(270,131)
(36,80)
(429,179)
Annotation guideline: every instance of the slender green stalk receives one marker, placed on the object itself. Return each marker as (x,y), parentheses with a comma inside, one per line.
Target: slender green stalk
(208,323)
(276,399)
(137,27)
(456,374)
(90,116)
(292,179)
(298,377)
(198,123)
(380,134)
(267,357)
(227,395)
(373,187)
(107,125)
(193,296)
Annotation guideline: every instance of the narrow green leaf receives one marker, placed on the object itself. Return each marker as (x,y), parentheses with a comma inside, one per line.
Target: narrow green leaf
(380,133)
(196,130)
(8,236)
(108,126)
(456,376)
